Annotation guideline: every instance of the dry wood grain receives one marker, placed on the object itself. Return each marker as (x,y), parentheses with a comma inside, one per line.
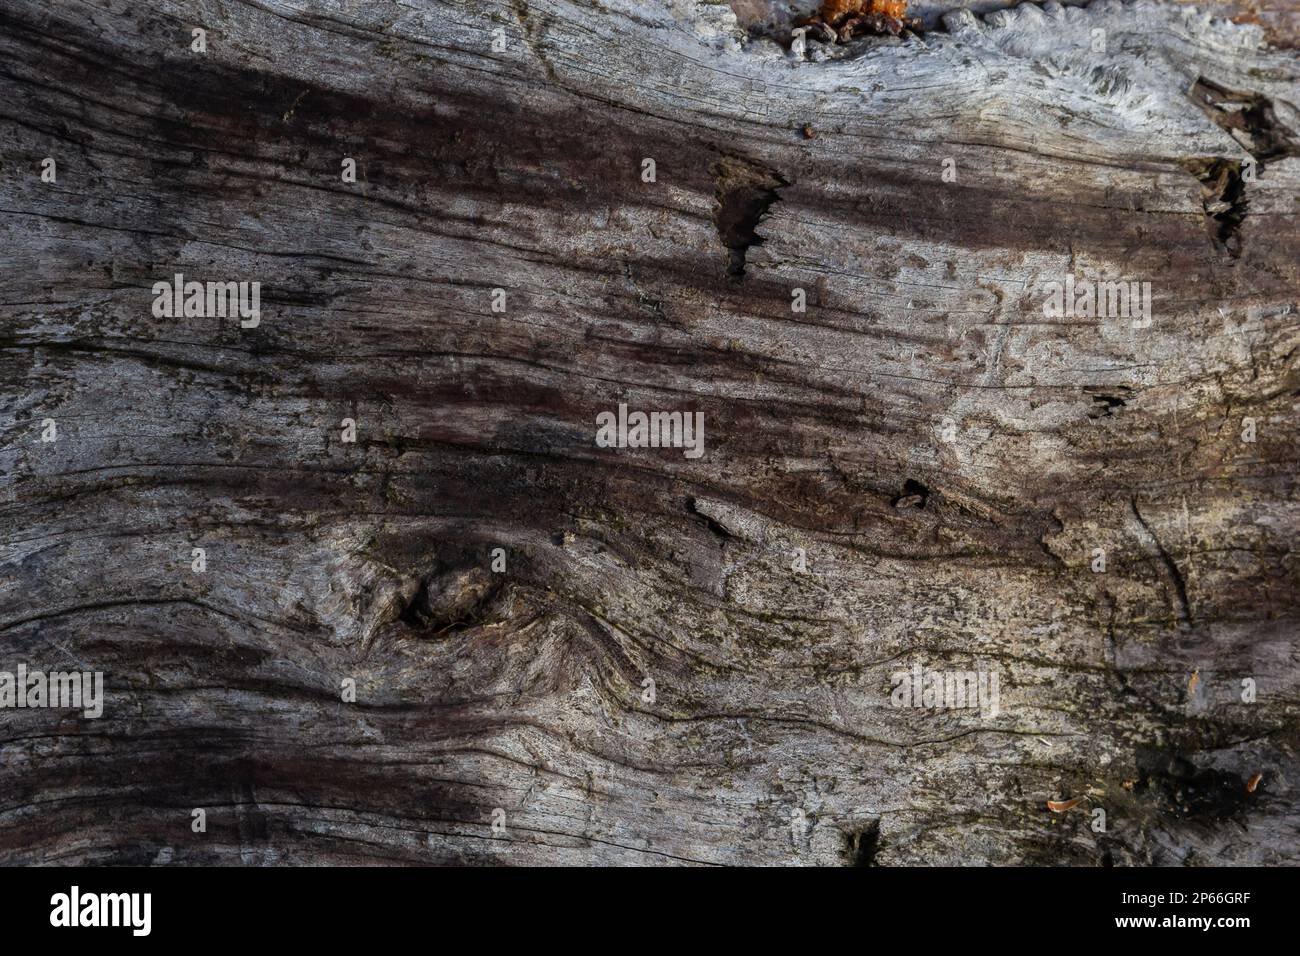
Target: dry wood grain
(770,736)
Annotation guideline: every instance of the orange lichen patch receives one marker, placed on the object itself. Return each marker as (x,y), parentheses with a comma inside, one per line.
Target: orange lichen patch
(1253,782)
(1191,684)
(1060,806)
(835,12)
(842,20)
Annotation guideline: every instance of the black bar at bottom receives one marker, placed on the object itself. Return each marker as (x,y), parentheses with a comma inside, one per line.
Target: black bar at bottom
(338,906)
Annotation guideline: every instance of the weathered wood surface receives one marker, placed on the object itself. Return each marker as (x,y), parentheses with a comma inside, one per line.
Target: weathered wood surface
(521,169)
(1280,19)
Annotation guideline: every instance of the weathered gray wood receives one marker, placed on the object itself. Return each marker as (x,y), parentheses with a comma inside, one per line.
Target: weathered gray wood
(771,737)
